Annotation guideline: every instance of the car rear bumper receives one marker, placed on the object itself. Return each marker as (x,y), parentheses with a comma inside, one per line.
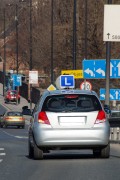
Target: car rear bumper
(93,137)
(14,123)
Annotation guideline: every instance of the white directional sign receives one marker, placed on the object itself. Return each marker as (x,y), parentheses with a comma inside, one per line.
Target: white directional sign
(111,23)
(114,94)
(95,69)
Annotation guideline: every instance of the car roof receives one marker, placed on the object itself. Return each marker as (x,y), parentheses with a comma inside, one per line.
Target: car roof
(115,110)
(13,111)
(68,91)
(11,91)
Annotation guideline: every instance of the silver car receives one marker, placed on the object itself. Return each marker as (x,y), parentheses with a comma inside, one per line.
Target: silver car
(69,119)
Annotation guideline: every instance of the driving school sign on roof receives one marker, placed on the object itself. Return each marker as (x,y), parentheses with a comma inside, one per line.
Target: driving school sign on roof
(111,23)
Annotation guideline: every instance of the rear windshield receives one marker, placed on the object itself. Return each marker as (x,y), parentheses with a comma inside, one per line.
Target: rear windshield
(14,114)
(70,102)
(13,92)
(115,114)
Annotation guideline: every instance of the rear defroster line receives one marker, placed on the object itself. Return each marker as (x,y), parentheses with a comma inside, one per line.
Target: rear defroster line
(19,137)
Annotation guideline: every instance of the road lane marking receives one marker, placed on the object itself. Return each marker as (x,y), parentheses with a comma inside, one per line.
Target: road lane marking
(1,160)
(2,154)
(18,137)
(2,149)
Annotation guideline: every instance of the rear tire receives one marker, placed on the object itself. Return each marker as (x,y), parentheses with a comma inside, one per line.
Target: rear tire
(38,153)
(5,126)
(105,152)
(30,150)
(102,153)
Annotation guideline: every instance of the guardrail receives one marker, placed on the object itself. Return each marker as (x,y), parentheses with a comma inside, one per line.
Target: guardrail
(114,130)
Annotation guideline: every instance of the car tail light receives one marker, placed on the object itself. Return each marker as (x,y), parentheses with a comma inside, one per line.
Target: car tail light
(22,118)
(101,117)
(42,118)
(7,118)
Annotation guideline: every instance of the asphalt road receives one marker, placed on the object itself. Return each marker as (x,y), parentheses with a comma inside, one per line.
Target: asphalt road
(57,165)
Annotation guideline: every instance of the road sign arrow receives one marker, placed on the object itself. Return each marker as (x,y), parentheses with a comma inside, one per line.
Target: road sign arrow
(88,71)
(111,96)
(116,93)
(100,71)
(102,95)
(111,66)
(118,66)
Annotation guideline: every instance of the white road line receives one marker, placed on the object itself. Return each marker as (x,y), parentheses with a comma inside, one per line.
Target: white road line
(2,149)
(19,137)
(2,154)
(1,160)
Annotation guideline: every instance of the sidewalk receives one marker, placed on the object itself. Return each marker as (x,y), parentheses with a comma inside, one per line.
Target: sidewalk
(13,106)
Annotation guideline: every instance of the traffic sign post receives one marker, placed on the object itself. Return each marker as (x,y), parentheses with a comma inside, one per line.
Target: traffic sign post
(111,23)
(95,69)
(78,74)
(33,77)
(86,85)
(16,78)
(114,94)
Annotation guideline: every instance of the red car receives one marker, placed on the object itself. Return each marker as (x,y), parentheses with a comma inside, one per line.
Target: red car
(12,96)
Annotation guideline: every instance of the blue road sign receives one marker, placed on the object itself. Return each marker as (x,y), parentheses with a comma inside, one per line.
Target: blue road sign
(114,94)
(16,80)
(67,81)
(95,69)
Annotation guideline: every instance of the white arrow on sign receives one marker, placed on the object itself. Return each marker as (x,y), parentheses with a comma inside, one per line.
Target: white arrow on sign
(88,71)
(100,71)
(102,95)
(116,93)
(111,66)
(111,96)
(118,69)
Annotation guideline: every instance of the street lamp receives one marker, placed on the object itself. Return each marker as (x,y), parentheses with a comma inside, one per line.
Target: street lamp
(16,26)
(30,48)
(30,32)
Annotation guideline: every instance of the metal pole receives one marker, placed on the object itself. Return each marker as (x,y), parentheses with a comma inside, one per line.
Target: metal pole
(108,56)
(74,35)
(4,63)
(16,20)
(85,55)
(30,34)
(85,48)
(30,67)
(52,78)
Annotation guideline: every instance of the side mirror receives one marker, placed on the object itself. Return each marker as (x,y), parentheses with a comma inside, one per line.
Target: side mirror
(24,107)
(108,111)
